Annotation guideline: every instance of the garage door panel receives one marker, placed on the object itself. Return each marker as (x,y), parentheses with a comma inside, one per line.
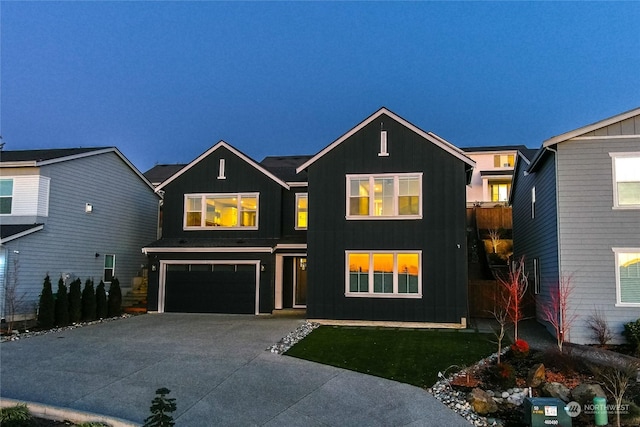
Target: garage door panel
(211,291)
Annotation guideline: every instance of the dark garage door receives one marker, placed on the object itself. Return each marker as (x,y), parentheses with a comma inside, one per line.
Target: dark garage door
(214,288)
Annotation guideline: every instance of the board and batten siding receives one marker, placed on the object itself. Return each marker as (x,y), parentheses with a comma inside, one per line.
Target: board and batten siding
(123,220)
(537,237)
(590,227)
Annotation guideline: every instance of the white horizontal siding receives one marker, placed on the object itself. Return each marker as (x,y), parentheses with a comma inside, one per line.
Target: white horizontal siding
(590,227)
(30,195)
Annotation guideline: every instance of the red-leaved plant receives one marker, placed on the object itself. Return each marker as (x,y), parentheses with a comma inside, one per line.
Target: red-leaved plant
(520,348)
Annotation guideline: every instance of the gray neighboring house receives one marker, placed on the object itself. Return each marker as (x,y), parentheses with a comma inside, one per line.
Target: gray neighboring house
(576,214)
(77,212)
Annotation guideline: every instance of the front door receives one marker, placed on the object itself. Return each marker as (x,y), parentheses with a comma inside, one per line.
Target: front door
(300,282)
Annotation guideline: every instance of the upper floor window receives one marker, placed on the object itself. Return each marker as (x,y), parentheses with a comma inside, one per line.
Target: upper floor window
(503,160)
(533,202)
(6,196)
(302,207)
(383,274)
(626,180)
(628,276)
(205,211)
(386,196)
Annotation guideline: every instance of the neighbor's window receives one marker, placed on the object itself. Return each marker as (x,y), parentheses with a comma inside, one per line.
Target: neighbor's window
(626,175)
(213,211)
(628,276)
(383,274)
(503,160)
(500,191)
(385,196)
(6,196)
(109,267)
(302,207)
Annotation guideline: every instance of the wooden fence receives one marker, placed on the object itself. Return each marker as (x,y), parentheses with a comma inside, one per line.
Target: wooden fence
(488,218)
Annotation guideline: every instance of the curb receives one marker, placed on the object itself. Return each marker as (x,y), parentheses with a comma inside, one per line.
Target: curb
(66,414)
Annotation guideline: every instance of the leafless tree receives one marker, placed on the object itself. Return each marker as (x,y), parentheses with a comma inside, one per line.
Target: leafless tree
(502,317)
(514,289)
(615,377)
(496,239)
(556,311)
(13,297)
(599,327)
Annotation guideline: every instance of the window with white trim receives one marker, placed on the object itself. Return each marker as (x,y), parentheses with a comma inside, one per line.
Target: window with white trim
(396,274)
(383,144)
(384,196)
(533,202)
(221,171)
(628,276)
(221,211)
(302,208)
(626,180)
(536,276)
(6,196)
(109,267)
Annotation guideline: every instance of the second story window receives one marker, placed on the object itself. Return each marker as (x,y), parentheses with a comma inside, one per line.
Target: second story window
(6,196)
(503,160)
(387,196)
(626,175)
(221,211)
(302,208)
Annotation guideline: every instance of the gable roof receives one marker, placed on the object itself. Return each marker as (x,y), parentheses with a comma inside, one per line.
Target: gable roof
(10,232)
(592,127)
(43,157)
(493,148)
(284,167)
(159,173)
(235,151)
(429,136)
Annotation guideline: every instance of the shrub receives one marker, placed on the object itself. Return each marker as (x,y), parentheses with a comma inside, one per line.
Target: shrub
(520,348)
(161,408)
(114,303)
(88,302)
(75,301)
(599,328)
(101,301)
(46,310)
(503,375)
(15,416)
(565,363)
(62,305)
(632,334)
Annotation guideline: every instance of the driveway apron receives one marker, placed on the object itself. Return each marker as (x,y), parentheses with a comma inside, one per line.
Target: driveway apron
(217,369)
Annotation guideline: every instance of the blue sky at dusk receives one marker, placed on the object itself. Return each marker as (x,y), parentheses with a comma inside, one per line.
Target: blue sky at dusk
(164,81)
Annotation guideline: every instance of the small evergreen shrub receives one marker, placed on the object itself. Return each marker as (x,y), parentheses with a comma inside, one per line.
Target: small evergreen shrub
(15,416)
(114,303)
(101,301)
(88,302)
(503,374)
(161,409)
(75,301)
(46,311)
(632,334)
(62,305)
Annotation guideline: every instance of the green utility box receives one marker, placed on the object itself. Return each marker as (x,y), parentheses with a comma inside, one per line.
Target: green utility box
(545,412)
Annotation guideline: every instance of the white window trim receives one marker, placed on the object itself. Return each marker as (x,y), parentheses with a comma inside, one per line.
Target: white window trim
(104,267)
(384,145)
(298,196)
(395,293)
(533,202)
(536,276)
(613,156)
(204,207)
(372,178)
(617,251)
(221,170)
(13,188)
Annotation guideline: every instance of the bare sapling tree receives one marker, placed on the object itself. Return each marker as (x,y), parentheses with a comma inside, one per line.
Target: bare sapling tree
(557,311)
(514,289)
(599,327)
(502,317)
(615,376)
(13,297)
(496,239)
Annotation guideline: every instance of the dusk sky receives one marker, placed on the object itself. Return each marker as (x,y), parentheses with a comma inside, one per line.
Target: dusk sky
(164,81)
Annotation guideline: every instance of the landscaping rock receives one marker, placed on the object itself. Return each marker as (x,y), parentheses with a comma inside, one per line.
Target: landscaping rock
(584,393)
(556,390)
(536,376)
(481,402)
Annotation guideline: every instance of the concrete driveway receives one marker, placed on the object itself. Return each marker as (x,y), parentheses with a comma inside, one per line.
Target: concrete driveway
(216,367)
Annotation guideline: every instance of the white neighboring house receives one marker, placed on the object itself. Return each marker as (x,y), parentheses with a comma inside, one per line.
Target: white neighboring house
(77,212)
(491,179)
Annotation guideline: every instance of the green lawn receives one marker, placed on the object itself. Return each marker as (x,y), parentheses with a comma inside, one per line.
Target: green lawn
(405,355)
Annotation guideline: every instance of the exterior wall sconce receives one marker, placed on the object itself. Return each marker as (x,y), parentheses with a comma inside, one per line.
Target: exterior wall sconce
(88,208)
(97,254)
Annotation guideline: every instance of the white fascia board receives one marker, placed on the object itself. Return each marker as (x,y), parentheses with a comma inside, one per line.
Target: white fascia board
(590,128)
(25,164)
(298,184)
(19,235)
(232,249)
(435,139)
(291,246)
(221,143)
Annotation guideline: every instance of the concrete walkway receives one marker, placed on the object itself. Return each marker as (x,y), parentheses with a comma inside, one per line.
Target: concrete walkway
(216,367)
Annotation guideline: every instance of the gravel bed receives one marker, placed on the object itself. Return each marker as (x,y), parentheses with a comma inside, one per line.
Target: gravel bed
(292,338)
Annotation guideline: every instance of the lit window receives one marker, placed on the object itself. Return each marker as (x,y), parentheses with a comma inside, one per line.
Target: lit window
(383,274)
(500,191)
(626,185)
(302,202)
(628,276)
(6,196)
(384,196)
(503,160)
(218,211)
(533,202)
(109,267)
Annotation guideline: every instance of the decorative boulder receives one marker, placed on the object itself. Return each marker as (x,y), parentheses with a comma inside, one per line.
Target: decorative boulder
(584,393)
(536,376)
(556,390)
(481,402)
